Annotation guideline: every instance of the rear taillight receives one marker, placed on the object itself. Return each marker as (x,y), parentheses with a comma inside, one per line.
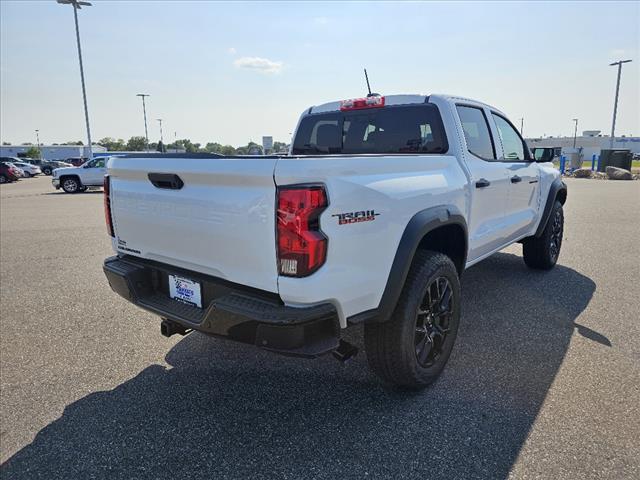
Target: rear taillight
(375,101)
(107,205)
(302,247)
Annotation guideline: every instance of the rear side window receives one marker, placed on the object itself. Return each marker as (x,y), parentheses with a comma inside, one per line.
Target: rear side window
(476,132)
(387,130)
(511,141)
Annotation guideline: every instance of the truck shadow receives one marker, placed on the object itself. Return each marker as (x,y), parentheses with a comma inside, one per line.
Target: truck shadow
(224,410)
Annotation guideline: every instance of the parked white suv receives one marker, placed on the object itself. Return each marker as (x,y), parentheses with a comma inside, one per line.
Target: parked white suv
(374,215)
(28,169)
(77,179)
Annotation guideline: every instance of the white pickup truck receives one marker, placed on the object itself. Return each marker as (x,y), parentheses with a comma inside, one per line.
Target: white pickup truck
(78,179)
(381,204)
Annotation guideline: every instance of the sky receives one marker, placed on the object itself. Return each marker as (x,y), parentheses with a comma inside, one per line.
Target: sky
(233,72)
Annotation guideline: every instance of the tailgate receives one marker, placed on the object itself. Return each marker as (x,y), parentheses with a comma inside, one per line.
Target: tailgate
(221,222)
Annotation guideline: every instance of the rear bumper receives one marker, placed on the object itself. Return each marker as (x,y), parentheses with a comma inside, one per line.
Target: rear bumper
(230,310)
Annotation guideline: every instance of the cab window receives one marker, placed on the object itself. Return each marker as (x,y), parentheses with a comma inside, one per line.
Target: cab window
(476,132)
(512,144)
(389,130)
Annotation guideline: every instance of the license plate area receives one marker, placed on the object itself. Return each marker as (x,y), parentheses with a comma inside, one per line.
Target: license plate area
(185,290)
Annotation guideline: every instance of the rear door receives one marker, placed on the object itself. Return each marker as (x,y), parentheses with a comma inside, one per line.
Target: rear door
(489,182)
(211,215)
(524,190)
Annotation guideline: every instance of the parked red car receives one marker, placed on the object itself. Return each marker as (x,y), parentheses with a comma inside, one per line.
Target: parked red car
(7,173)
(76,161)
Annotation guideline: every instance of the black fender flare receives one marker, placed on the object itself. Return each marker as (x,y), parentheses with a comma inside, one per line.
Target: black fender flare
(420,225)
(558,187)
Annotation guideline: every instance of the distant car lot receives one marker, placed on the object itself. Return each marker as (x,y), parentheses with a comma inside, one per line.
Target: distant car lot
(543,382)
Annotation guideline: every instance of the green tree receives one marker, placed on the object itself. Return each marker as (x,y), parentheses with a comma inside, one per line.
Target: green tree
(33,152)
(6,143)
(160,147)
(279,147)
(188,146)
(215,147)
(227,150)
(247,148)
(26,143)
(77,142)
(136,144)
(113,145)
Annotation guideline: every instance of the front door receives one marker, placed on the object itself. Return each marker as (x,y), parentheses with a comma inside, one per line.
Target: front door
(94,173)
(524,189)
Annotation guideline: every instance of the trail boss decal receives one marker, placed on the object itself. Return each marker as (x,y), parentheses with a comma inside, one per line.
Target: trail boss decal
(356,217)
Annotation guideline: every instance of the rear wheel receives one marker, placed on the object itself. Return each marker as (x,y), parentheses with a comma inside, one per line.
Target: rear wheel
(542,252)
(27,174)
(70,185)
(46,170)
(3,178)
(411,349)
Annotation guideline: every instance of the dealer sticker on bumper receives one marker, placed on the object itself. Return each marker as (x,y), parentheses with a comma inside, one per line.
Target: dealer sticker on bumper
(185,290)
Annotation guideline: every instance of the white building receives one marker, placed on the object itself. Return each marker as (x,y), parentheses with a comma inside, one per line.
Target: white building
(51,152)
(591,142)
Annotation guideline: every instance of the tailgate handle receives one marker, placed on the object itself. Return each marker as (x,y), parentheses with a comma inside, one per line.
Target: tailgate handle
(170,181)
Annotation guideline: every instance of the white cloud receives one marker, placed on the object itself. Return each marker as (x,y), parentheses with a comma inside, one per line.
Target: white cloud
(263,65)
(231,51)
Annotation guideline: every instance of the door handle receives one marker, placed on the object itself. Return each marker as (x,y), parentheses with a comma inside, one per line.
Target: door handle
(169,181)
(483,183)
(516,179)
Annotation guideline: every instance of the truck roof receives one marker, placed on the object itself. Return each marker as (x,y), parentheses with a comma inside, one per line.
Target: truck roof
(401,99)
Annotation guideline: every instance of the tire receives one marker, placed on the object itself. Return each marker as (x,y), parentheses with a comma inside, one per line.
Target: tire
(3,179)
(27,174)
(541,253)
(397,349)
(46,170)
(70,184)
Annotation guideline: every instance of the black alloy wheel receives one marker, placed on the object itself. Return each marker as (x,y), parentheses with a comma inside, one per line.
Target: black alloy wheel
(432,321)
(555,241)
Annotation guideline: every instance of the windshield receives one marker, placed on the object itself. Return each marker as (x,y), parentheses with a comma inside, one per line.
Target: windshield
(402,129)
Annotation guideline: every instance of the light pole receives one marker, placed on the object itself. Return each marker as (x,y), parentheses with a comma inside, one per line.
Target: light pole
(575,132)
(76,6)
(38,143)
(144,111)
(615,104)
(161,139)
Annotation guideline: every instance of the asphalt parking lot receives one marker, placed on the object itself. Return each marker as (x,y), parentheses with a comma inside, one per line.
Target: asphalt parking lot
(544,381)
